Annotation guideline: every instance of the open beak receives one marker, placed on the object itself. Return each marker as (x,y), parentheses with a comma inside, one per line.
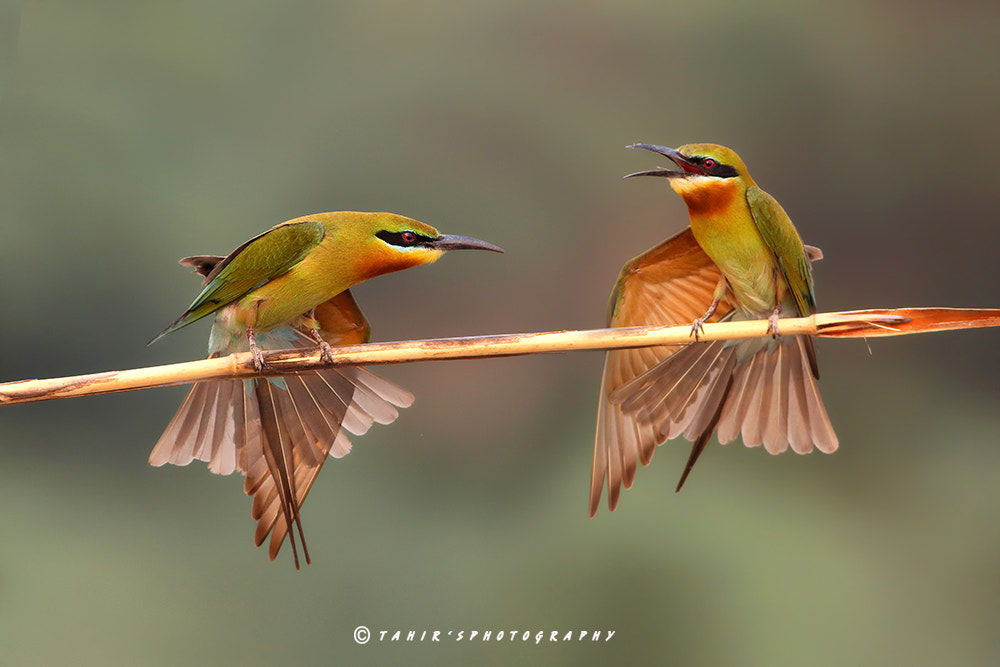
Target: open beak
(678,158)
(453,242)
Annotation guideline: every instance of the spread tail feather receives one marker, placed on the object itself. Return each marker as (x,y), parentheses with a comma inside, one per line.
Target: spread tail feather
(768,394)
(278,432)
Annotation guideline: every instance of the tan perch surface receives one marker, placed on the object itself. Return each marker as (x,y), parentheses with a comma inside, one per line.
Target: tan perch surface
(857,323)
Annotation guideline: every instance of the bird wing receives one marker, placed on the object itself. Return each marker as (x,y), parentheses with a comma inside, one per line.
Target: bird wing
(259,260)
(780,235)
(341,320)
(671,284)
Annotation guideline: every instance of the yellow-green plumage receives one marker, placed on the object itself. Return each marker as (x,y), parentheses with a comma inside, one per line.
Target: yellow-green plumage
(741,258)
(298,264)
(288,287)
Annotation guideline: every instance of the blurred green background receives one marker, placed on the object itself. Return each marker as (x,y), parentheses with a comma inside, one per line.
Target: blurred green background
(136,133)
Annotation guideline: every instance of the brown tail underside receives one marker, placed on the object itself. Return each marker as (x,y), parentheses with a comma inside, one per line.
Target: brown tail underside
(278,433)
(769,395)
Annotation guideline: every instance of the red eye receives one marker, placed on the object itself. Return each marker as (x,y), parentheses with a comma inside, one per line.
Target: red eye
(409,237)
(709,163)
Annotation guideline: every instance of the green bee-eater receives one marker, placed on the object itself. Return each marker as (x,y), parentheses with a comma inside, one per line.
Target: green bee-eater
(742,259)
(288,287)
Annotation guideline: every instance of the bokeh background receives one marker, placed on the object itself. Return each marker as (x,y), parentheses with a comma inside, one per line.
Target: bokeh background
(136,133)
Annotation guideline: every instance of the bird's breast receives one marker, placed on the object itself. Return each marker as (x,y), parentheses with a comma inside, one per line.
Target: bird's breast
(731,239)
(318,277)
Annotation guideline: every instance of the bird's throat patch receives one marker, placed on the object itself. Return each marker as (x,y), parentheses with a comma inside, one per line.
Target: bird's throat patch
(706,195)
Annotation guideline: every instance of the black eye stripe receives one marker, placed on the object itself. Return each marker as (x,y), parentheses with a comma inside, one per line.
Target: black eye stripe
(404,239)
(713,167)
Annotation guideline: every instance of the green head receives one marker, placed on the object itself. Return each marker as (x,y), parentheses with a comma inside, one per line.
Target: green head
(381,243)
(706,171)
(698,160)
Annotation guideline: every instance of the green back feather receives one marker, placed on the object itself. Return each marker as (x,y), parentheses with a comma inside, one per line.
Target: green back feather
(254,263)
(780,235)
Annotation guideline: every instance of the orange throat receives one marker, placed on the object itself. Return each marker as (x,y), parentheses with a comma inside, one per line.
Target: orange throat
(706,196)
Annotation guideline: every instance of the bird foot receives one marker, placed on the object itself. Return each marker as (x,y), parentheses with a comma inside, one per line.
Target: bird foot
(699,326)
(258,355)
(772,323)
(325,352)
(258,358)
(699,323)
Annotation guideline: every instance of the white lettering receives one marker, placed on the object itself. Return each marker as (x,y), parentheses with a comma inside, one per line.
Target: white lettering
(498,635)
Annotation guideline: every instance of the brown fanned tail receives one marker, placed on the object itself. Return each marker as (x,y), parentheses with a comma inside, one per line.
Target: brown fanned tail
(278,433)
(771,398)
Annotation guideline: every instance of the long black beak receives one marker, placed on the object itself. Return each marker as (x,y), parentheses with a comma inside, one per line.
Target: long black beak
(679,159)
(453,242)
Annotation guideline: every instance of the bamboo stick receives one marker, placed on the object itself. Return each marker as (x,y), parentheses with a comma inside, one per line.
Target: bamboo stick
(841,324)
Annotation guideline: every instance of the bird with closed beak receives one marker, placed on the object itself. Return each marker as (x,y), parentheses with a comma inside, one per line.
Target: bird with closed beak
(289,288)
